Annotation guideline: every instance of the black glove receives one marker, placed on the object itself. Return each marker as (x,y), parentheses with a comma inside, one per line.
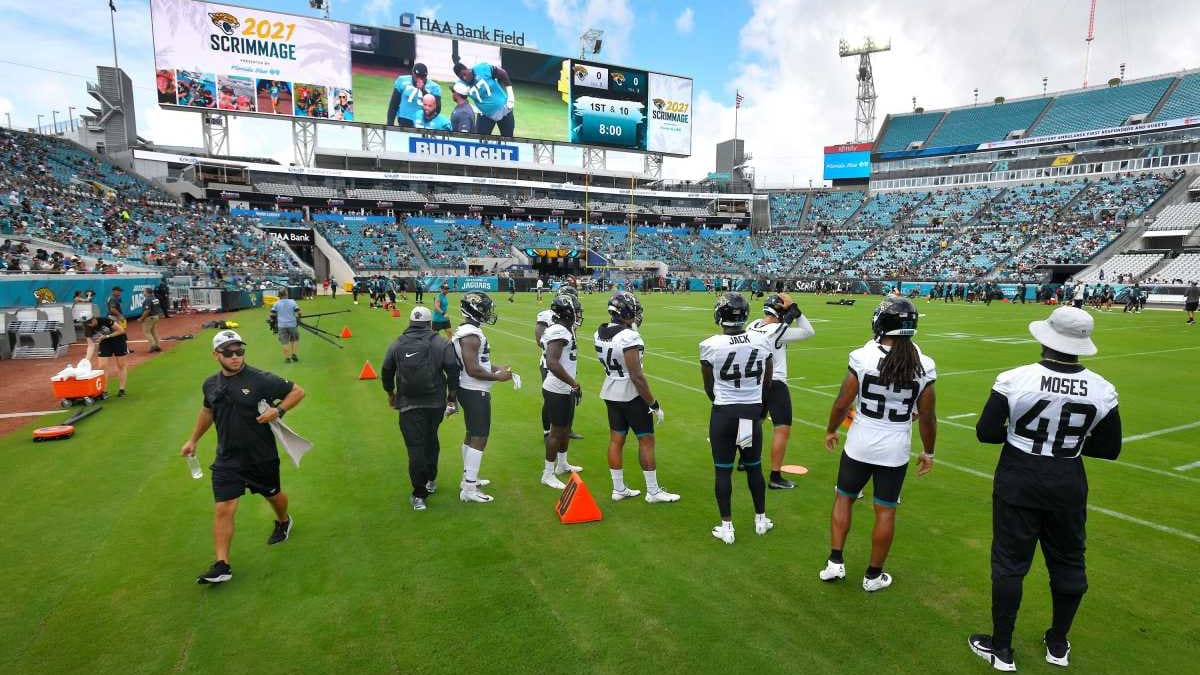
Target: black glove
(578,394)
(792,313)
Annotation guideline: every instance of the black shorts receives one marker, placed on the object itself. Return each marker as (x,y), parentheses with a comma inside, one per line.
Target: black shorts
(853,476)
(441,325)
(1078,304)
(779,404)
(1190,306)
(560,408)
(477,411)
(231,483)
(723,424)
(633,414)
(118,346)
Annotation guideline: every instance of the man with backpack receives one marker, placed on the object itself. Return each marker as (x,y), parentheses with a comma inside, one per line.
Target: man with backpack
(420,376)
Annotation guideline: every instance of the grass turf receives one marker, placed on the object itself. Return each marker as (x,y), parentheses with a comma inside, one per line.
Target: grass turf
(540,110)
(106,532)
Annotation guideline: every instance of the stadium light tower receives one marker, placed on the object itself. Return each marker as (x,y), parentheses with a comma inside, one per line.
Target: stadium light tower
(864,118)
(590,42)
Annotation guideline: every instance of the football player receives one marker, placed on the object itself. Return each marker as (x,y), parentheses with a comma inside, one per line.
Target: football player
(736,366)
(777,331)
(560,390)
(542,322)
(1048,415)
(890,377)
(492,93)
(407,93)
(474,388)
(626,394)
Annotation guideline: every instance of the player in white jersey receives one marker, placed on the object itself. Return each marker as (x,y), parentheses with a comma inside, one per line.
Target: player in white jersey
(474,388)
(889,377)
(560,390)
(626,394)
(776,329)
(543,321)
(1048,415)
(736,367)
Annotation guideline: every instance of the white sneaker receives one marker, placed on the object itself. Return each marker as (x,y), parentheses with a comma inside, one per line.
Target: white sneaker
(762,524)
(724,532)
(878,583)
(549,480)
(469,492)
(431,486)
(661,497)
(567,468)
(832,571)
(618,495)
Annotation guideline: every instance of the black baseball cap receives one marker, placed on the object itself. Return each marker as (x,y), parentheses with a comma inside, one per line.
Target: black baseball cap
(420,70)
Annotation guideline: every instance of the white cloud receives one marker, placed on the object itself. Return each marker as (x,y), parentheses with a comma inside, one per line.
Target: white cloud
(379,12)
(572,17)
(429,11)
(686,21)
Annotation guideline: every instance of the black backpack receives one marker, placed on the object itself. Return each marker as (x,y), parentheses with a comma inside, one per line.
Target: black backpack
(417,368)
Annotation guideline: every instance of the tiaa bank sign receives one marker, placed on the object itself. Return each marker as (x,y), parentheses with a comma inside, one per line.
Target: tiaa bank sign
(464,149)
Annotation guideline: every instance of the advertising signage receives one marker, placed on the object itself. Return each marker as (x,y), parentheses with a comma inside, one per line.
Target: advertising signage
(422,80)
(847,161)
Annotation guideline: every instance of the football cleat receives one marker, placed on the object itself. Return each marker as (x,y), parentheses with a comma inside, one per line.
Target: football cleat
(661,497)
(878,583)
(469,492)
(1000,659)
(618,495)
(762,524)
(549,480)
(724,531)
(563,467)
(832,571)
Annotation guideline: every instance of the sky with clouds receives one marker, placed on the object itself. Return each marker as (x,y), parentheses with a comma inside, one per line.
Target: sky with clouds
(781,54)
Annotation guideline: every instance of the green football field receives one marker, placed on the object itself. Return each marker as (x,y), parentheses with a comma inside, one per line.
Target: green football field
(540,110)
(105,533)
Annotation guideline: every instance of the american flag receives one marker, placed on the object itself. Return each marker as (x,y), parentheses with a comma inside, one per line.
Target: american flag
(739,100)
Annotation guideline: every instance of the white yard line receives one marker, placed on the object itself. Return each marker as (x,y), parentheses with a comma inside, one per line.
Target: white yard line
(1160,432)
(959,416)
(1188,467)
(36,413)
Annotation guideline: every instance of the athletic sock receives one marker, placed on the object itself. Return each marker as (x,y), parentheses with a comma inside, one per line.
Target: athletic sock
(549,470)
(618,479)
(835,556)
(651,481)
(874,572)
(471,461)
(775,475)
(562,459)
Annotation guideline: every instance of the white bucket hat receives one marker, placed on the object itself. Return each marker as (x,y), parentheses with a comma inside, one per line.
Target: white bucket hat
(1067,330)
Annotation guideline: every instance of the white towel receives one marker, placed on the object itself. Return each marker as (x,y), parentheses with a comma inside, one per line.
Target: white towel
(516,380)
(745,433)
(291,441)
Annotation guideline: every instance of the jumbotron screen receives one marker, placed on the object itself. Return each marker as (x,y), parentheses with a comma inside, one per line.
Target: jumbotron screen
(850,160)
(255,62)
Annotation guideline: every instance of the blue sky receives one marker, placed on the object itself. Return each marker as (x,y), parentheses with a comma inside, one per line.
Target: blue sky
(782,54)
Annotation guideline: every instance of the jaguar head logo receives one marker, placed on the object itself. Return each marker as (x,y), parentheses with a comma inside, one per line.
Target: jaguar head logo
(227,22)
(618,79)
(660,103)
(580,71)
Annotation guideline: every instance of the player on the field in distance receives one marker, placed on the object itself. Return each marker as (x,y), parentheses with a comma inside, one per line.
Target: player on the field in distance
(492,93)
(1048,415)
(474,388)
(560,390)
(889,377)
(626,394)
(777,331)
(736,367)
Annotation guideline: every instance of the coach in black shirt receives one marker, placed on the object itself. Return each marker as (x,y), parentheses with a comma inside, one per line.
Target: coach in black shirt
(246,454)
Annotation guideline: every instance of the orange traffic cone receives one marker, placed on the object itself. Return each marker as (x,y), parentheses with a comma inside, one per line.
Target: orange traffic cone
(576,505)
(346,331)
(367,372)
(395,314)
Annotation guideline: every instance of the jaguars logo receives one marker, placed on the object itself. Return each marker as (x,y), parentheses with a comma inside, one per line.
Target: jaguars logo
(618,79)
(580,71)
(44,295)
(659,103)
(227,22)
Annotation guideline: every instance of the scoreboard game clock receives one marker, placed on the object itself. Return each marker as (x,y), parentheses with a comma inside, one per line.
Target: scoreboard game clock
(608,106)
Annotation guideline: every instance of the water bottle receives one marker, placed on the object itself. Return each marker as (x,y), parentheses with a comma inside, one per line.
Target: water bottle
(194,465)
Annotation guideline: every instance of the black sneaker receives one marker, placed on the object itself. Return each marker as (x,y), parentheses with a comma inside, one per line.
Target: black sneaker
(219,573)
(781,483)
(1000,659)
(295,359)
(574,436)
(120,393)
(1057,652)
(282,530)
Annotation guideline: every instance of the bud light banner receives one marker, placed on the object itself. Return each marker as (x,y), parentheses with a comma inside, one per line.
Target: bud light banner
(464,150)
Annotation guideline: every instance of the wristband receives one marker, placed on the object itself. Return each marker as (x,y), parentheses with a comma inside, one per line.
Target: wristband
(279,409)
(654,405)
(926,455)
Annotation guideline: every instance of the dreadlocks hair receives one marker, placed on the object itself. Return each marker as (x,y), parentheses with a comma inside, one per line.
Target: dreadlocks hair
(902,364)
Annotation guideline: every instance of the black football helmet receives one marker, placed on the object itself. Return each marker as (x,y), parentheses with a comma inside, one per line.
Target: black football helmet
(566,289)
(567,310)
(777,304)
(477,307)
(896,317)
(732,310)
(625,305)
